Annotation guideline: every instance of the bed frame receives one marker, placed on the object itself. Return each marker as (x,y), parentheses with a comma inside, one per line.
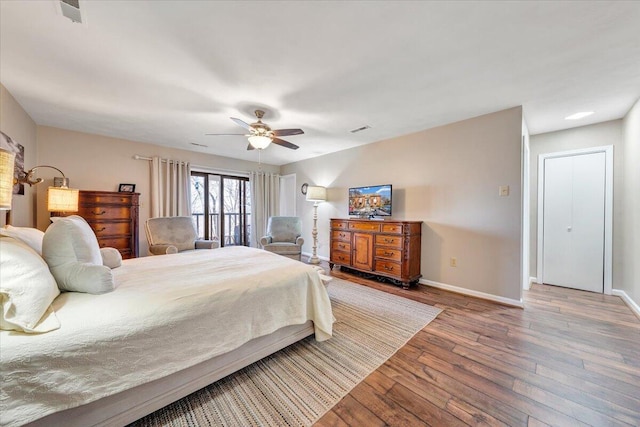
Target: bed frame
(129,405)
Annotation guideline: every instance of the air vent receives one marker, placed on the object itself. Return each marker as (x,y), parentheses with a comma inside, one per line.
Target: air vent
(199,145)
(360,129)
(71,10)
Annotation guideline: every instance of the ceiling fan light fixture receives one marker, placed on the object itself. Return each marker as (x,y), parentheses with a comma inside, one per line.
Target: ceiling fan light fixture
(259,142)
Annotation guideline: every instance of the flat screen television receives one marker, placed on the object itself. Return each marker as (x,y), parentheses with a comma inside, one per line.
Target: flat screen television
(369,202)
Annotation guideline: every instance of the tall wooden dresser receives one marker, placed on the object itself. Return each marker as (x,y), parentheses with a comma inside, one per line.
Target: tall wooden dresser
(113,216)
(388,249)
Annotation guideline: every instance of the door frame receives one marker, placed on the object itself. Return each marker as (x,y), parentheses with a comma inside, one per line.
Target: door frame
(608,208)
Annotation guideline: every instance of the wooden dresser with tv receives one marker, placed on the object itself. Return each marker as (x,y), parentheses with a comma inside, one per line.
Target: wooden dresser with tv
(113,216)
(389,249)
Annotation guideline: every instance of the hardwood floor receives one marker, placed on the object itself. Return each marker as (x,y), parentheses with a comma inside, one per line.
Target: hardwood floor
(570,358)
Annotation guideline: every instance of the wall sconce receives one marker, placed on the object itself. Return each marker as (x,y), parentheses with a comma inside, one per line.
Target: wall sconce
(7,161)
(59,198)
(315,195)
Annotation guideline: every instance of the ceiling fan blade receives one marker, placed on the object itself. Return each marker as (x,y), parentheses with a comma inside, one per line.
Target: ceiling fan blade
(242,123)
(283,143)
(224,134)
(250,147)
(287,132)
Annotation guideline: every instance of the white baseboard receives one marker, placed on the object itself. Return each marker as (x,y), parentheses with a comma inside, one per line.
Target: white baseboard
(469,292)
(627,299)
(527,285)
(308,255)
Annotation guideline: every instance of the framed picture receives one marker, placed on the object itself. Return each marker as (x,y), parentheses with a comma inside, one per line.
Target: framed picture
(127,188)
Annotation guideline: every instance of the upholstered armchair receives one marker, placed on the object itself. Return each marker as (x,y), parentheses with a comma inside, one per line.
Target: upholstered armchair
(170,235)
(283,236)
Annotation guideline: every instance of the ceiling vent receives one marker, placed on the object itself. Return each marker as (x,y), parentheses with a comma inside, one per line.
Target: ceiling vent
(71,9)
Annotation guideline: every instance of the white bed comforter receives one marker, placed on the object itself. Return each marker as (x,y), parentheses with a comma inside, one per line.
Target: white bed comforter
(167,313)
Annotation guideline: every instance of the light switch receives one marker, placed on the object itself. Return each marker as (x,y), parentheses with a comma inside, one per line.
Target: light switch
(503,190)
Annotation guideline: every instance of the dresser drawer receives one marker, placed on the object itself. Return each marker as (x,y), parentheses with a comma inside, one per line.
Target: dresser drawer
(341,246)
(120,243)
(104,212)
(110,228)
(388,267)
(364,226)
(339,225)
(392,228)
(390,241)
(343,236)
(388,253)
(339,257)
(92,199)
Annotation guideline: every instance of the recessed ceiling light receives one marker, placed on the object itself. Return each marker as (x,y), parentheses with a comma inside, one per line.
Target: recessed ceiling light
(578,116)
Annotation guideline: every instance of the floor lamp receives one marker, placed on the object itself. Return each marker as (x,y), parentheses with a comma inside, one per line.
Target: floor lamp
(315,195)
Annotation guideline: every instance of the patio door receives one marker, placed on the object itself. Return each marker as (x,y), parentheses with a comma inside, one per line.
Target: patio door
(220,206)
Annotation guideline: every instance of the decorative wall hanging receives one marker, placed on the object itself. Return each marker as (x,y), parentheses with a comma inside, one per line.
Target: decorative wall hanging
(11,145)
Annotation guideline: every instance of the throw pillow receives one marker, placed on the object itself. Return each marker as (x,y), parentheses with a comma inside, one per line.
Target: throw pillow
(71,249)
(27,289)
(30,236)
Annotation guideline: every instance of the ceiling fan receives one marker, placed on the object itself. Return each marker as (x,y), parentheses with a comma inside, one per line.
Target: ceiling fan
(260,134)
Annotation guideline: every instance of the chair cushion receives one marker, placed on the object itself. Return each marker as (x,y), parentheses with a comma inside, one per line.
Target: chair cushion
(283,248)
(284,228)
(177,231)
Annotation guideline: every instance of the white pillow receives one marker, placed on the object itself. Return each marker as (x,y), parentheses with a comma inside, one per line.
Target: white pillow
(27,289)
(30,236)
(70,247)
(111,257)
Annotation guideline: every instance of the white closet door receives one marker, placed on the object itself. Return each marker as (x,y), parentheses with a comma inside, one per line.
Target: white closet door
(574,214)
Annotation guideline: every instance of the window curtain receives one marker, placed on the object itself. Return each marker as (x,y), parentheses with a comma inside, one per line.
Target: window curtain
(265,202)
(170,187)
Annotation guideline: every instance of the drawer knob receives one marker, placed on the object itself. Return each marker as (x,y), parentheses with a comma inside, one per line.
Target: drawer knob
(100,213)
(99,230)
(388,240)
(386,267)
(388,253)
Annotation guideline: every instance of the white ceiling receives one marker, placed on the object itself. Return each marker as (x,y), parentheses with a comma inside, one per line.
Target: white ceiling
(167,72)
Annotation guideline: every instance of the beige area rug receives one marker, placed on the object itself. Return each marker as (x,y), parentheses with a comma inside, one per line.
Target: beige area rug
(297,385)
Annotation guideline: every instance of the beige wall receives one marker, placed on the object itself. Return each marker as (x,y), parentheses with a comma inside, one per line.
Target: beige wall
(447,177)
(606,133)
(94,162)
(630,282)
(17,124)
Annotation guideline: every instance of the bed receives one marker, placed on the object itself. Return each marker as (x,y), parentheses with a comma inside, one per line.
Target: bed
(173,325)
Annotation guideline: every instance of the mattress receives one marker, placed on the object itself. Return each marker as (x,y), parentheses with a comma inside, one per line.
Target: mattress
(167,313)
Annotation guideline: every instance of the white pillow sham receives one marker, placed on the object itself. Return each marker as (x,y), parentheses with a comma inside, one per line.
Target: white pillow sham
(30,236)
(27,289)
(71,249)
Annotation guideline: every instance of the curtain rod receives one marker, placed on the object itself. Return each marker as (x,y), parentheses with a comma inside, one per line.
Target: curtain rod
(205,168)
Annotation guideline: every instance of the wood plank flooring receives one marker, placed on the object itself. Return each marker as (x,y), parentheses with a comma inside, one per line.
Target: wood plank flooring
(570,358)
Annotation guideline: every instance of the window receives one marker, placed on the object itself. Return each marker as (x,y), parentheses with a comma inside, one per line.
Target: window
(221,207)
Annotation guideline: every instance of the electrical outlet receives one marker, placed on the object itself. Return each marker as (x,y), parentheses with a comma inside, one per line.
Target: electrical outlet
(503,191)
(453,262)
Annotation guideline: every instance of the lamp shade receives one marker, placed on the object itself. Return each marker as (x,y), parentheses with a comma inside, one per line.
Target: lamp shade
(316,194)
(7,161)
(61,199)
(259,141)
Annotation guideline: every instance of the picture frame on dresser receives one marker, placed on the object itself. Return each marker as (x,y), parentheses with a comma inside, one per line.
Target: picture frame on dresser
(127,188)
